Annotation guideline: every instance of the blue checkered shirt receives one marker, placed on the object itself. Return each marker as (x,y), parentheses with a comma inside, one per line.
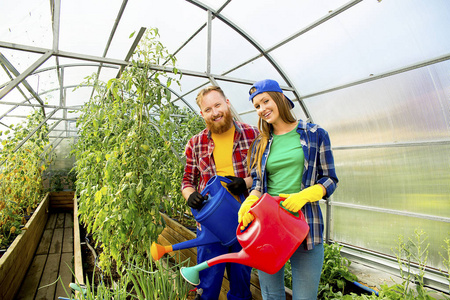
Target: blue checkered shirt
(318,168)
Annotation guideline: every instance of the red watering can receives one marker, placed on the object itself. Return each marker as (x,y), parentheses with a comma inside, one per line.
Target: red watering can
(267,242)
(218,219)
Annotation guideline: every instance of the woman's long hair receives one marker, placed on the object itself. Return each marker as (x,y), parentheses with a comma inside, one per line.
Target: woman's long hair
(265,129)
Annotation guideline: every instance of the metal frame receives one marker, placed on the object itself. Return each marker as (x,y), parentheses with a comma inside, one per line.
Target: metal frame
(209,77)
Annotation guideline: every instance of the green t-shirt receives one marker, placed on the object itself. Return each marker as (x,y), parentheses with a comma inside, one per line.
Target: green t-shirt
(285,164)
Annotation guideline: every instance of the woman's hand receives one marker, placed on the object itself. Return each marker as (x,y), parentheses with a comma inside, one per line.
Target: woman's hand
(295,202)
(243,214)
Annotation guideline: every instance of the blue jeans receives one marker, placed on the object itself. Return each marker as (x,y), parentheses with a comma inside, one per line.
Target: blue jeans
(306,269)
(211,278)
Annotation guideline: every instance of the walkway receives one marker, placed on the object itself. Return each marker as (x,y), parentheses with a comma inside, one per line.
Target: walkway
(53,260)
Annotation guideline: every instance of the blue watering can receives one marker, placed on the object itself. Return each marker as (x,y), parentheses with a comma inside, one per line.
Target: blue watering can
(218,218)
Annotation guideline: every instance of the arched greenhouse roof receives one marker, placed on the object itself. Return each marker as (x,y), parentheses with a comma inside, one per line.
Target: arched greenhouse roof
(374,74)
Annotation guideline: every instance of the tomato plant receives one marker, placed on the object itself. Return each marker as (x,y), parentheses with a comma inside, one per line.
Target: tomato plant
(22,164)
(128,154)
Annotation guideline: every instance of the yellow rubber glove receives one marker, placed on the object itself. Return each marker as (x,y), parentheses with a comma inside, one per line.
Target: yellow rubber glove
(295,202)
(243,214)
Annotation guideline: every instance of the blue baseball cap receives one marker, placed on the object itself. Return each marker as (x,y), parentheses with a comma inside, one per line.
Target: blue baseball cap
(267,85)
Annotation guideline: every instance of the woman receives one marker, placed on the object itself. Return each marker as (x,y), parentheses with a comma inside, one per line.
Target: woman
(291,159)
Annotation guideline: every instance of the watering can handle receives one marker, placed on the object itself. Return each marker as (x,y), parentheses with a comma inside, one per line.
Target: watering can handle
(280,203)
(296,214)
(224,179)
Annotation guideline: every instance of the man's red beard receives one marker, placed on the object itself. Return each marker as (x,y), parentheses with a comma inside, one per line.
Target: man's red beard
(222,126)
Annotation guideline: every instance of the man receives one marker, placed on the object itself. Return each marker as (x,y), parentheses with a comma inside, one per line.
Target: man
(220,149)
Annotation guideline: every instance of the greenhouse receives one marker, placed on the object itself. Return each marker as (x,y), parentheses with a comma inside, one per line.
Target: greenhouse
(99,98)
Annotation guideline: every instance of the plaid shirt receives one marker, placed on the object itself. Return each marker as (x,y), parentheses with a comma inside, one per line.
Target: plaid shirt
(318,168)
(200,165)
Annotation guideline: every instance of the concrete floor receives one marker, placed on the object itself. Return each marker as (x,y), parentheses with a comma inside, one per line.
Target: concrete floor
(373,278)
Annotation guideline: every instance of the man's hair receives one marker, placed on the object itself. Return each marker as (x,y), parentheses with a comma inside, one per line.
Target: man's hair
(205,91)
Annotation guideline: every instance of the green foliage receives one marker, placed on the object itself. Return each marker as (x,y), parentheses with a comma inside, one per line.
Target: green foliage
(159,281)
(413,251)
(143,281)
(21,169)
(128,155)
(446,259)
(58,180)
(335,273)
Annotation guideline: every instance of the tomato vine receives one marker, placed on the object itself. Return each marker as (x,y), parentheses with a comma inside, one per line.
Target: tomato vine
(128,154)
(23,159)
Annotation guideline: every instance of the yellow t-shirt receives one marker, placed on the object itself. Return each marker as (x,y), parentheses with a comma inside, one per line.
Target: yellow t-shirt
(223,152)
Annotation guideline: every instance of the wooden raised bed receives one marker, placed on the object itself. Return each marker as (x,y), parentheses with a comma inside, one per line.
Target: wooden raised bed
(15,263)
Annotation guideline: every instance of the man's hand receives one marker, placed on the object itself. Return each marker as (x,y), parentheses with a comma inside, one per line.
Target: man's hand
(195,200)
(237,185)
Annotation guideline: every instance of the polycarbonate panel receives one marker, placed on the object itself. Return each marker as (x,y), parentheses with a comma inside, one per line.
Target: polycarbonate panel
(257,70)
(380,232)
(78,97)
(51,97)
(85,25)
(193,55)
(26,22)
(409,178)
(357,44)
(214,4)
(238,95)
(271,22)
(19,60)
(15,96)
(75,76)
(250,118)
(228,49)
(62,160)
(408,107)
(175,20)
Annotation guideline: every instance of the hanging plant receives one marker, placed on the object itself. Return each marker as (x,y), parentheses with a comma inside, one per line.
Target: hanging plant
(22,164)
(128,154)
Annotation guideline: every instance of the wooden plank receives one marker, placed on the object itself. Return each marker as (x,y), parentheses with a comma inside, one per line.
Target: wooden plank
(44,244)
(60,217)
(172,239)
(177,236)
(22,250)
(68,222)
(61,201)
(57,240)
(51,221)
(177,226)
(68,240)
(47,285)
(65,273)
(78,261)
(62,194)
(31,281)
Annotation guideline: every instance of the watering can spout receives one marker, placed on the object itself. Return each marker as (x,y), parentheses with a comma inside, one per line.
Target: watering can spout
(191,274)
(158,251)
